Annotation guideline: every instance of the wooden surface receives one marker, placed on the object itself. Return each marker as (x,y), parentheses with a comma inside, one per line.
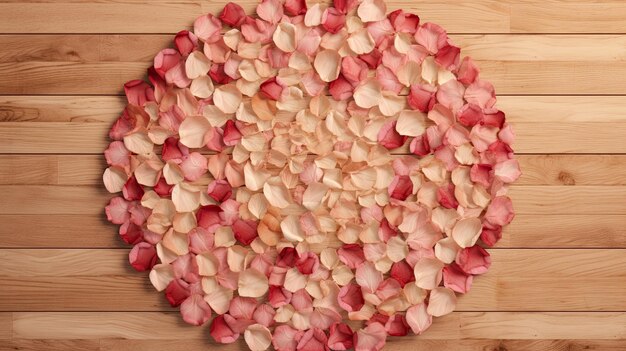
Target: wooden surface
(558,281)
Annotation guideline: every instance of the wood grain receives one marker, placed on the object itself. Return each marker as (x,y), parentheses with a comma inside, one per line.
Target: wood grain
(398,343)
(538,169)
(85,280)
(528,199)
(64,277)
(79,124)
(458,325)
(58,64)
(537,137)
(526,231)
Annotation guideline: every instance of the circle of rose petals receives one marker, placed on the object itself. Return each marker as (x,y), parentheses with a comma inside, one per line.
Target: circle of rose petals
(255,198)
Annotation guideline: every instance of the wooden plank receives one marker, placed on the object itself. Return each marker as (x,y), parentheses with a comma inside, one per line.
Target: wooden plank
(537,169)
(519,280)
(91,138)
(36,199)
(93,48)
(128,292)
(560,124)
(527,199)
(49,345)
(479,325)
(526,231)
(572,170)
(520,109)
(527,64)
(400,344)
(545,47)
(476,16)
(75,109)
(49,231)
(563,231)
(6,325)
(563,16)
(600,200)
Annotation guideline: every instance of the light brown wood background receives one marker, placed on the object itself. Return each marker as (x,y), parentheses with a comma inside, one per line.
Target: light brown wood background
(558,281)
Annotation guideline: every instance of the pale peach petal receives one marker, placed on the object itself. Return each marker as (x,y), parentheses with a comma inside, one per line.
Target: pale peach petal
(258,337)
(197,65)
(467,231)
(446,250)
(227,98)
(361,42)
(285,37)
(202,87)
(161,275)
(441,302)
(368,93)
(252,283)
(139,143)
(291,229)
(192,131)
(114,179)
(327,64)
(277,193)
(411,123)
(428,273)
(372,10)
(313,16)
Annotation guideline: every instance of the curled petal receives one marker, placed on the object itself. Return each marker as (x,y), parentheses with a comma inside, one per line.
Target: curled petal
(142,257)
(474,260)
(340,337)
(221,332)
(233,15)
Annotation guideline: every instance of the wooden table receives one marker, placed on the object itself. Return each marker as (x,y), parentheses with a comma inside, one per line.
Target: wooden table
(558,281)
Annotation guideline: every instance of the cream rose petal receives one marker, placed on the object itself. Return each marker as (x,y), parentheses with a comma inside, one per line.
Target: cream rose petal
(227,98)
(467,231)
(258,337)
(411,123)
(285,37)
(372,10)
(368,93)
(442,301)
(327,65)
(197,65)
(252,283)
(192,131)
